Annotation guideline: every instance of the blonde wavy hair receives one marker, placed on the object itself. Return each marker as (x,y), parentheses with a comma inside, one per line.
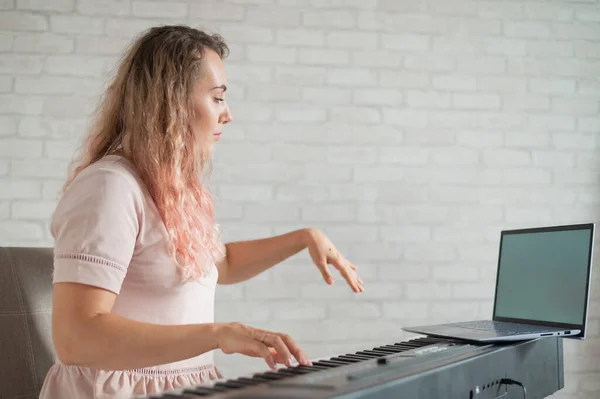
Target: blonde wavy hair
(145,115)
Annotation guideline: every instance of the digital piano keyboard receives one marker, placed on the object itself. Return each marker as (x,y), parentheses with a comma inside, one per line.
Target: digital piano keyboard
(421,368)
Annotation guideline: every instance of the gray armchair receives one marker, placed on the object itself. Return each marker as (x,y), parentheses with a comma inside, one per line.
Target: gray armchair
(26,350)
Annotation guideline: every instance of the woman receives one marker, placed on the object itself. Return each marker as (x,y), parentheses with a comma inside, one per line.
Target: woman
(137,250)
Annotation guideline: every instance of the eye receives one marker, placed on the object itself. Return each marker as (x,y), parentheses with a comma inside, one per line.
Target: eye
(219,100)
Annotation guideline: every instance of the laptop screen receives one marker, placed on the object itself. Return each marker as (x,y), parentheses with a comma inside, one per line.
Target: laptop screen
(543,275)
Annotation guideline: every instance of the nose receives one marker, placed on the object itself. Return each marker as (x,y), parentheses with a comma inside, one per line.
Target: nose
(226,116)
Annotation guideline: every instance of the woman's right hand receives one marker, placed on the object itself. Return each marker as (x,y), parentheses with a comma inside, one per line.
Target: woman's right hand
(272,346)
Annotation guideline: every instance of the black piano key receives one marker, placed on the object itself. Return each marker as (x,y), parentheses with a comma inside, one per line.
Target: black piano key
(259,377)
(338,362)
(355,356)
(312,368)
(230,384)
(174,396)
(325,363)
(273,375)
(399,348)
(200,391)
(248,381)
(385,350)
(292,371)
(339,359)
(375,351)
(370,353)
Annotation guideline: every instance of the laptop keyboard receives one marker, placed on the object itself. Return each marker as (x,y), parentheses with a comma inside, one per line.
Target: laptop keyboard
(501,327)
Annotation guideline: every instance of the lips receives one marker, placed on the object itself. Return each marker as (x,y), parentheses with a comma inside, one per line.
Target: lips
(217,135)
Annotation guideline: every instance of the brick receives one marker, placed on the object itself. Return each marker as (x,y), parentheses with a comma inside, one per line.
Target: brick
(237,33)
(454,156)
(382,290)
(328,95)
(406,233)
(476,101)
(363,311)
(473,291)
(481,64)
(43,43)
(56,85)
(248,311)
(475,27)
(502,157)
(6,42)
(298,153)
(254,291)
(16,189)
(355,114)
(300,37)
(32,210)
(7,4)
(291,310)
(429,61)
(452,119)
(588,124)
(424,291)
(228,211)
(22,231)
(548,11)
(589,14)
(529,176)
(217,11)
(269,92)
(19,148)
(104,7)
(270,54)
(479,139)
(100,45)
(503,84)
(459,7)
(304,114)
(65,107)
(403,79)
(39,168)
(428,99)
(405,309)
(546,48)
(21,105)
(404,155)
(159,9)
(524,101)
(379,96)
(17,64)
(247,72)
(353,233)
(454,82)
(244,153)
(566,141)
(579,30)
(352,4)
(8,125)
(405,42)
(76,24)
(271,213)
(504,46)
(553,122)
(300,75)
(243,231)
(323,57)
(336,19)
(41,5)
(553,159)
(51,189)
(328,213)
(23,21)
(4,210)
(252,112)
(586,50)
(537,214)
(352,192)
(527,140)
(376,58)
(322,291)
(273,16)
(494,10)
(552,85)
(60,149)
(55,128)
(351,77)
(458,46)
(351,155)
(405,117)
(423,253)
(300,192)
(529,29)
(365,40)
(579,105)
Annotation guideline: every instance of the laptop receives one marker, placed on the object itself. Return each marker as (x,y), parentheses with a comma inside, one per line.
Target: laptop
(542,287)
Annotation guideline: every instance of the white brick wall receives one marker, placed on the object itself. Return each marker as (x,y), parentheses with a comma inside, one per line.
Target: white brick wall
(410,131)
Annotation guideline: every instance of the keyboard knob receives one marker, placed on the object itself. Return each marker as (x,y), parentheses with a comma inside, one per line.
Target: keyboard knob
(382,360)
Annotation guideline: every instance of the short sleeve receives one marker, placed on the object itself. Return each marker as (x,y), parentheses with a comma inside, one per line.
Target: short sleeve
(95,228)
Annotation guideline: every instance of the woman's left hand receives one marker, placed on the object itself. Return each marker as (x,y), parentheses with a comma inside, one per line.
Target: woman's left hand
(323,252)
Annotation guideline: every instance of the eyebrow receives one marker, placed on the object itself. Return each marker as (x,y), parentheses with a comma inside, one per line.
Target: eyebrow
(220,87)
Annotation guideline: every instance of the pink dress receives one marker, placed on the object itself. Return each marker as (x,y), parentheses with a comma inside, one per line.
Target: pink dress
(109,234)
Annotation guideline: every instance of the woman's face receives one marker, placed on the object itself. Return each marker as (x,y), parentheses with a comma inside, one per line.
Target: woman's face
(211,111)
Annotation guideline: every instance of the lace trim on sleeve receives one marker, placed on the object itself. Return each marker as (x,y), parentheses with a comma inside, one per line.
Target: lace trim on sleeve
(92,259)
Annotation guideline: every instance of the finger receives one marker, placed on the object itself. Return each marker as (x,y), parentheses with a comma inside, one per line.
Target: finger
(295,349)
(259,349)
(283,353)
(322,265)
(354,267)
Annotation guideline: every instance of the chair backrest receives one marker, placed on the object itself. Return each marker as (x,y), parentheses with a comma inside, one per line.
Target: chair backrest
(26,350)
